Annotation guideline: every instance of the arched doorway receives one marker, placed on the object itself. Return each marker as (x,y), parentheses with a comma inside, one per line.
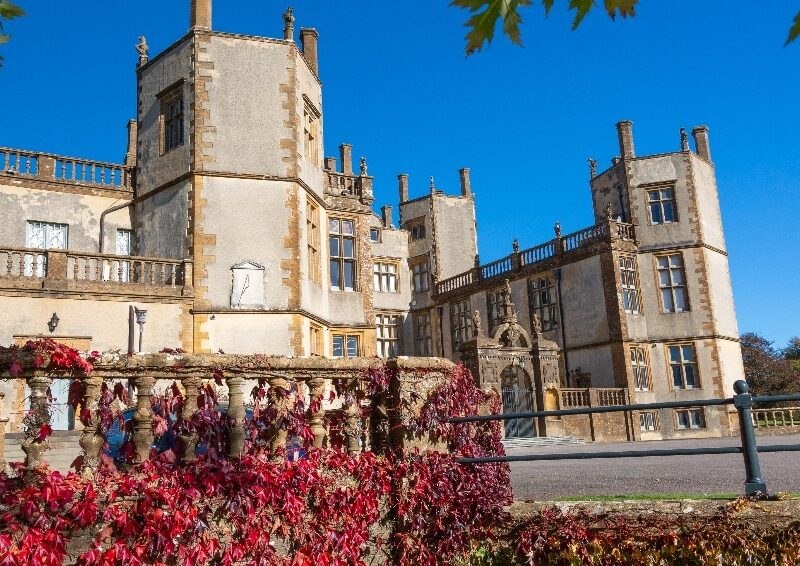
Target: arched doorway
(517,398)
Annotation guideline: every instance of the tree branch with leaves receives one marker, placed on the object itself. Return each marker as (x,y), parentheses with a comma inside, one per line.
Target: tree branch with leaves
(486,13)
(8,11)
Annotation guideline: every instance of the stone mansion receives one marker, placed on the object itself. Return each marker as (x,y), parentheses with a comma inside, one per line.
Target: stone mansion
(149,253)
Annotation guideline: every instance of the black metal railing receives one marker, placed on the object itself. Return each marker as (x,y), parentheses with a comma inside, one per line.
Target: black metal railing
(743,401)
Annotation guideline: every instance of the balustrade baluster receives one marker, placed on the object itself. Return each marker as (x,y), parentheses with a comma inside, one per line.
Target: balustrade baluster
(38,416)
(75,267)
(153,267)
(9,263)
(277,404)
(237,413)
(92,440)
(188,438)
(120,271)
(317,421)
(352,426)
(143,418)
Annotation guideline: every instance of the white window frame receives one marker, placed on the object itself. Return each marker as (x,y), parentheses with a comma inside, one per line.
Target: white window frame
(388,329)
(385,277)
(671,279)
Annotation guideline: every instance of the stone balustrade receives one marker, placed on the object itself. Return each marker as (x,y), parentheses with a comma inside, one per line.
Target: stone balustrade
(285,379)
(65,170)
(776,417)
(560,249)
(593,397)
(60,269)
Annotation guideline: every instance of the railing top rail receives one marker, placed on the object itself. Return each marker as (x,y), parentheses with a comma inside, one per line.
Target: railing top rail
(115,257)
(29,153)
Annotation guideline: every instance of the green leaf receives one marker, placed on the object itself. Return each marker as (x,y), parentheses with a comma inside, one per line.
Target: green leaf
(794,32)
(483,23)
(581,8)
(10,11)
(624,7)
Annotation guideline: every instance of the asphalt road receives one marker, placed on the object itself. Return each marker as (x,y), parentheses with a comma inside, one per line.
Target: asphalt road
(706,474)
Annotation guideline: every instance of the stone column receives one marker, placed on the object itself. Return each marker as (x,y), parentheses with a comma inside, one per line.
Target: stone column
(38,416)
(92,439)
(316,388)
(143,418)
(352,427)
(187,439)
(237,414)
(276,399)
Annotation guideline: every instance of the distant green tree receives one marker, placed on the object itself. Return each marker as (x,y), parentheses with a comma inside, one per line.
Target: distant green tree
(792,353)
(486,13)
(8,11)
(766,369)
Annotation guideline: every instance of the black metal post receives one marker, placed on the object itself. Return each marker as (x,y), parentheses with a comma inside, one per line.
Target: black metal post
(743,401)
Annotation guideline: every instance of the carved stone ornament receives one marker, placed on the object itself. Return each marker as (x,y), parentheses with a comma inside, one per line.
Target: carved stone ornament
(476,323)
(592,167)
(557,229)
(143,50)
(363,166)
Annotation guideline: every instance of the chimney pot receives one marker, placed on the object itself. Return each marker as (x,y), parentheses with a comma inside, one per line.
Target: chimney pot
(346,154)
(309,39)
(625,133)
(402,184)
(466,187)
(700,134)
(200,17)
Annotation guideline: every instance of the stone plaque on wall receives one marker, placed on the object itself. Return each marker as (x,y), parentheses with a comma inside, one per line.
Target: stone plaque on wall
(247,291)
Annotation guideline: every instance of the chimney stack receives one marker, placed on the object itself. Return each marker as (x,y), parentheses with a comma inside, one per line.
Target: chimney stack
(130,156)
(386,215)
(330,164)
(625,133)
(200,17)
(346,154)
(700,134)
(466,188)
(402,185)
(308,40)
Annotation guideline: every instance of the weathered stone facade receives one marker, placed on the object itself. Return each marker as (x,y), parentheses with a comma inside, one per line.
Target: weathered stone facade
(230,227)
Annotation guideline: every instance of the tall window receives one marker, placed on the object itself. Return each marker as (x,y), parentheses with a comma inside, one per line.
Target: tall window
(417,229)
(648,421)
(672,282)
(43,236)
(345,345)
(641,373)
(124,245)
(690,418)
(420,276)
(542,299)
(343,254)
(388,334)
(312,237)
(494,306)
(311,135)
(662,206)
(423,345)
(683,365)
(315,338)
(172,118)
(384,277)
(460,323)
(630,283)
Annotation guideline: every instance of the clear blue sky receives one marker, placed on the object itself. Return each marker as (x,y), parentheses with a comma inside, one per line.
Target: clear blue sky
(398,87)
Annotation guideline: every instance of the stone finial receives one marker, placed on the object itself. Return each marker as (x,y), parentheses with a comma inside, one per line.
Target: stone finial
(684,140)
(288,24)
(592,168)
(608,211)
(557,229)
(433,185)
(476,323)
(363,164)
(537,325)
(515,246)
(143,50)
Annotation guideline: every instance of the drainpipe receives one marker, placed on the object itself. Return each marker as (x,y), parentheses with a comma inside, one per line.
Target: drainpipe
(561,317)
(103,217)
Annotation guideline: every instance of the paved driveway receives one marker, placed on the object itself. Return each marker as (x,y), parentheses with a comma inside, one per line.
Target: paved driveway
(705,474)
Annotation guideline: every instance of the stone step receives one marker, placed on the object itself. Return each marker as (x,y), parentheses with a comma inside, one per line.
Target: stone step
(64,448)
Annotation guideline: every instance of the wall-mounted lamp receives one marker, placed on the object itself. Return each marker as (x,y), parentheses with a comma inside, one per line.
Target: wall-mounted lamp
(141,318)
(52,324)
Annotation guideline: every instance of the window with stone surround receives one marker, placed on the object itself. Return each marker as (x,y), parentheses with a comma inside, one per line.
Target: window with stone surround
(172,118)
(384,277)
(683,366)
(662,205)
(312,239)
(375,235)
(423,345)
(630,284)
(640,369)
(672,283)
(648,421)
(420,274)
(124,246)
(460,323)
(494,307)
(417,229)
(342,242)
(542,300)
(43,236)
(388,330)
(686,419)
(346,345)
(311,137)
(315,340)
